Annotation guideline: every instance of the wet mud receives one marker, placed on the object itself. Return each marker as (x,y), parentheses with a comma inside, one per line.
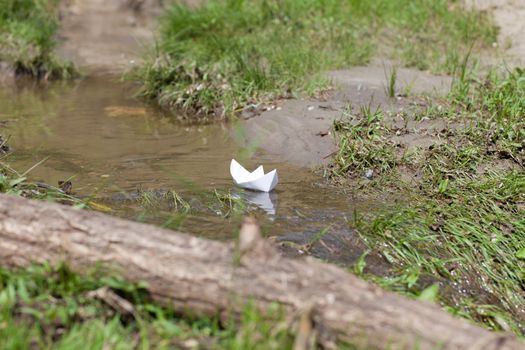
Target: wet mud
(299,131)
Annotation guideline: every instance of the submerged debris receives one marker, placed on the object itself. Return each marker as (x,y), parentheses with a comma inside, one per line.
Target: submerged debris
(66,186)
(4,147)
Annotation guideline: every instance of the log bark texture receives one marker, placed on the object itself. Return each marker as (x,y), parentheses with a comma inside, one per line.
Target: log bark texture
(209,277)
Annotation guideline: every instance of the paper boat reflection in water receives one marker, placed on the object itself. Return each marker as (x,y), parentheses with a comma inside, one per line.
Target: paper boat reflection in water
(256,180)
(266,201)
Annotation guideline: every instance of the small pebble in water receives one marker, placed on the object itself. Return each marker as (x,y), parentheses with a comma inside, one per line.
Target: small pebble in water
(369,174)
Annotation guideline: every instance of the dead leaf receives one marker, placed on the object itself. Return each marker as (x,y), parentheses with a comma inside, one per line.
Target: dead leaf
(124,111)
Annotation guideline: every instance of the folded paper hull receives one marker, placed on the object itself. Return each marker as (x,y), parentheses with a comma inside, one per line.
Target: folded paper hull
(255,180)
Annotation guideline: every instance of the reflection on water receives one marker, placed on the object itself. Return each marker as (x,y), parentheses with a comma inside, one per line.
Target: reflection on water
(109,143)
(263,200)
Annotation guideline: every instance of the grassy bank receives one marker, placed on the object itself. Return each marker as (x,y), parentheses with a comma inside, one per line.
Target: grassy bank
(27,30)
(54,308)
(219,57)
(461,219)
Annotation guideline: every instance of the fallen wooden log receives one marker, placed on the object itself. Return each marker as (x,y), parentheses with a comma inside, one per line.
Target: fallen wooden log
(213,278)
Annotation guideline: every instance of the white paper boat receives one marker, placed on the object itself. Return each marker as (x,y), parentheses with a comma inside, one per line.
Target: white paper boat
(255,180)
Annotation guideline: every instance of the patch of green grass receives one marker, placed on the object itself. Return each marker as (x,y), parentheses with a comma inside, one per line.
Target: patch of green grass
(498,105)
(482,123)
(218,57)
(54,308)
(363,144)
(468,240)
(27,30)
(462,221)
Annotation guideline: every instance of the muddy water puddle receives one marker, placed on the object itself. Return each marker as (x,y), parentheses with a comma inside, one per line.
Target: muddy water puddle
(145,164)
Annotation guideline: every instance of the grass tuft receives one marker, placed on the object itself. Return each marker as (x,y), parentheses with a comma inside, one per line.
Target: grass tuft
(27,31)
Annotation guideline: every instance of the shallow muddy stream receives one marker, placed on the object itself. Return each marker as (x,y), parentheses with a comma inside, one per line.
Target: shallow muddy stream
(116,148)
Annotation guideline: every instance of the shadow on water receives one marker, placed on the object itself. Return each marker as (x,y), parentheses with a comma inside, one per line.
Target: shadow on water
(147,165)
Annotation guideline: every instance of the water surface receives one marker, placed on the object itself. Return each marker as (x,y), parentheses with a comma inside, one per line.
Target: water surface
(112,144)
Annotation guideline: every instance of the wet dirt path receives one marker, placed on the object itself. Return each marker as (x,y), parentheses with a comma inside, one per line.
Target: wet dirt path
(102,36)
(109,36)
(509,16)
